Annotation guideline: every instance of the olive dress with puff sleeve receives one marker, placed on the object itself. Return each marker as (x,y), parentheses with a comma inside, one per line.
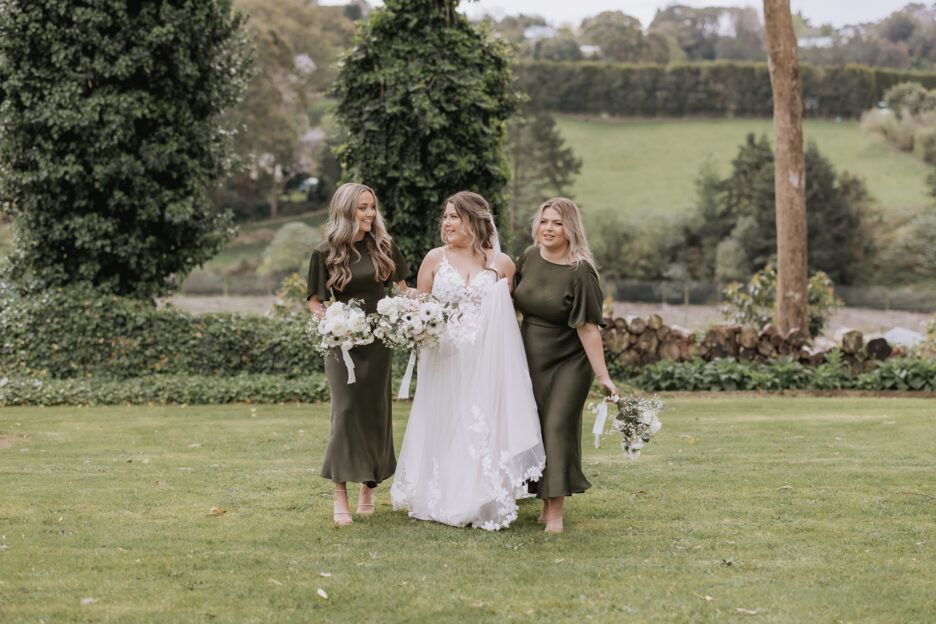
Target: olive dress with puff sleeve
(360,445)
(556,299)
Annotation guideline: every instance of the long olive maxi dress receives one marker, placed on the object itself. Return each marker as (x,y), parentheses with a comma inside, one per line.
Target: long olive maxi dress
(360,446)
(555,299)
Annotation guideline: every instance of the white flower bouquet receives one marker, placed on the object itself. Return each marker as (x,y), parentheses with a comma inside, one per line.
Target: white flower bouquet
(344,326)
(635,418)
(411,321)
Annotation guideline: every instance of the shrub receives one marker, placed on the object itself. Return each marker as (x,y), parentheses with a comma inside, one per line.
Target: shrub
(75,333)
(900,374)
(784,374)
(290,249)
(718,89)
(753,303)
(163,389)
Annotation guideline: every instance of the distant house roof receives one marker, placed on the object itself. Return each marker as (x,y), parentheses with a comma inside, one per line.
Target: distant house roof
(590,50)
(816,42)
(539,31)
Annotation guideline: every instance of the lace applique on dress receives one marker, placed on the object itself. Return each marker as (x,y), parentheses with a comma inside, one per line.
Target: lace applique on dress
(450,286)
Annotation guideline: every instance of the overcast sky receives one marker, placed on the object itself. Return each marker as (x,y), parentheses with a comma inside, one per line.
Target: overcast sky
(556,12)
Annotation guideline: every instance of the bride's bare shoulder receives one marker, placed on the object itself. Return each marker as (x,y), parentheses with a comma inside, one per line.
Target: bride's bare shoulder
(433,258)
(504,262)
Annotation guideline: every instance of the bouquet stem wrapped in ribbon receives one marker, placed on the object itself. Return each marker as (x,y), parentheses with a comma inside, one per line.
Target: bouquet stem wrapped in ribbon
(411,321)
(344,327)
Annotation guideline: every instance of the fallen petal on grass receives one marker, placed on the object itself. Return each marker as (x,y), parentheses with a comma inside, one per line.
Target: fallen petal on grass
(325,574)
(403,584)
(274,581)
(745,611)
(785,487)
(321,593)
(87,601)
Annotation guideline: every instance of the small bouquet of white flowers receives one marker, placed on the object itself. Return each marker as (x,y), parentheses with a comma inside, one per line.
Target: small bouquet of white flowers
(636,419)
(344,327)
(411,321)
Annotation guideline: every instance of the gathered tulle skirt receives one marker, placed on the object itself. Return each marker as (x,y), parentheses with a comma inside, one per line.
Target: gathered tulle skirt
(473,438)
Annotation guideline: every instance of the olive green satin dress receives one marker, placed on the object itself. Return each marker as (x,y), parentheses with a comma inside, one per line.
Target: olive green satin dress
(360,445)
(555,299)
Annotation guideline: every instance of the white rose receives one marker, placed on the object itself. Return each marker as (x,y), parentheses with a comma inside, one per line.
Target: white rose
(339,326)
(335,310)
(385,305)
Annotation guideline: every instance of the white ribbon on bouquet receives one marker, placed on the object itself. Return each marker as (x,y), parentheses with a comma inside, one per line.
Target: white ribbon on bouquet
(348,362)
(408,377)
(600,419)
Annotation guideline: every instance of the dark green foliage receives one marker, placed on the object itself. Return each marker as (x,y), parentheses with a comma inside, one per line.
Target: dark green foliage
(541,166)
(72,333)
(557,49)
(734,231)
(718,89)
(424,96)
(784,374)
(111,137)
(900,374)
(163,389)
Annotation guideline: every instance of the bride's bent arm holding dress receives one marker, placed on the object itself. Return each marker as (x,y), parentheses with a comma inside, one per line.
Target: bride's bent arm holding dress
(473,439)
(358,260)
(557,291)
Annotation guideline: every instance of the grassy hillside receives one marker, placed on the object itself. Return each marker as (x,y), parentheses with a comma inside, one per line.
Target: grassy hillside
(651,166)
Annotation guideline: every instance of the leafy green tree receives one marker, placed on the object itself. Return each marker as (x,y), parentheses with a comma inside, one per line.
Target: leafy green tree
(425,96)
(734,229)
(561,48)
(542,166)
(297,46)
(111,137)
(618,35)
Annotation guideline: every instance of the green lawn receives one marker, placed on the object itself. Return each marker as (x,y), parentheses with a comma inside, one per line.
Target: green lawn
(652,166)
(798,509)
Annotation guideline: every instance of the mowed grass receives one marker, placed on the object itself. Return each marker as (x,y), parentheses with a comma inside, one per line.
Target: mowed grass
(651,166)
(799,509)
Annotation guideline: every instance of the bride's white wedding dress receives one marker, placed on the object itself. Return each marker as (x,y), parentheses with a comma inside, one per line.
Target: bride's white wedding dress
(473,437)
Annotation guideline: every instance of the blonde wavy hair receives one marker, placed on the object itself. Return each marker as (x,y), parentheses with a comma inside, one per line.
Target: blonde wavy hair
(475,215)
(340,231)
(572,226)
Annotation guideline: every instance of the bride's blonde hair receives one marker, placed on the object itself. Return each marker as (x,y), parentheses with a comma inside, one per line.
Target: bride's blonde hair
(572,226)
(475,215)
(341,229)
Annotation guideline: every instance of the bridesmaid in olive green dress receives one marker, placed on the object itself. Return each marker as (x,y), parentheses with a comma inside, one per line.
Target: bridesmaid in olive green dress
(556,289)
(357,260)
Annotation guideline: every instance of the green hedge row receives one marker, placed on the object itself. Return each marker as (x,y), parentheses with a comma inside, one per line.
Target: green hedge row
(75,333)
(719,89)
(163,389)
(784,374)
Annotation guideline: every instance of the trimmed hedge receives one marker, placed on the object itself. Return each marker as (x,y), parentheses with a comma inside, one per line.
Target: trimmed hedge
(718,89)
(163,389)
(75,333)
(784,374)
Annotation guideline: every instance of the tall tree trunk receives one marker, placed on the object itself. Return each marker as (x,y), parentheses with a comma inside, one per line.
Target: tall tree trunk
(789,168)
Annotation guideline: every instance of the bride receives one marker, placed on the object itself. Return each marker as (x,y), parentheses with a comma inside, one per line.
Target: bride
(473,438)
